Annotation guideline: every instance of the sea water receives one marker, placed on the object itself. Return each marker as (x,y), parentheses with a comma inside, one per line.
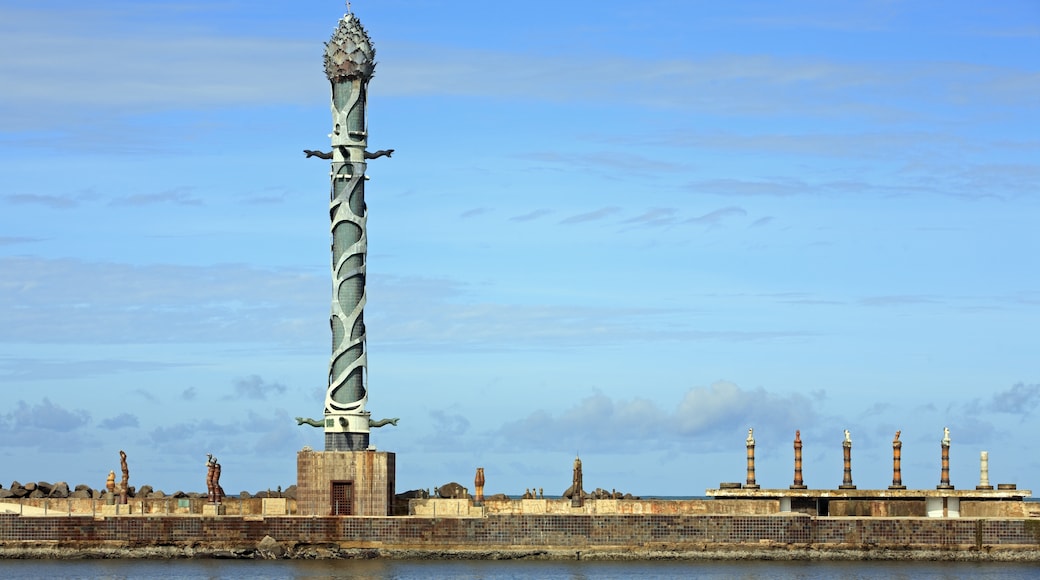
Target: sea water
(502,570)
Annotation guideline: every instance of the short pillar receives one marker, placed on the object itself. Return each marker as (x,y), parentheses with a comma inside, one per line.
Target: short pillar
(897,458)
(984,483)
(751,462)
(944,479)
(478,485)
(798,483)
(846,447)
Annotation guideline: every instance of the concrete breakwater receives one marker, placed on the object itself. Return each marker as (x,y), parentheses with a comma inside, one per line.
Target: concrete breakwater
(792,536)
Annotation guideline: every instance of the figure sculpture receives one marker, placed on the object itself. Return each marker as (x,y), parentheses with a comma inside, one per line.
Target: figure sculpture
(216,493)
(750,436)
(577,491)
(848,438)
(946,436)
(124,485)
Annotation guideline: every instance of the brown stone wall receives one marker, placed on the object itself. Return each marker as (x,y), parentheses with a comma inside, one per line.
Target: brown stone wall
(614,506)
(547,531)
(371,474)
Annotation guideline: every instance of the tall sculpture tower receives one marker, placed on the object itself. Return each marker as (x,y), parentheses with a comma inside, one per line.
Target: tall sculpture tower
(350,477)
(349,64)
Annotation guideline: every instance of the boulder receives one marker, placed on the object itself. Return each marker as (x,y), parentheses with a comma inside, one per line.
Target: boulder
(44,487)
(37,494)
(157,494)
(244,495)
(15,485)
(29,487)
(6,494)
(270,548)
(19,492)
(179,495)
(413,494)
(145,491)
(498,496)
(452,490)
(80,494)
(290,492)
(60,491)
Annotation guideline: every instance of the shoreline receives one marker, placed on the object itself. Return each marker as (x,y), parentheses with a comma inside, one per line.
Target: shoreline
(729,552)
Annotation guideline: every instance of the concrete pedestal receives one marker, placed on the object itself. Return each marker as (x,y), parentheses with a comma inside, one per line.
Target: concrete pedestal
(345,483)
(213,509)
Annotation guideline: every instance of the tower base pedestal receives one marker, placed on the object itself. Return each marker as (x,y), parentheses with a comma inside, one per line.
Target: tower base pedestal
(345,483)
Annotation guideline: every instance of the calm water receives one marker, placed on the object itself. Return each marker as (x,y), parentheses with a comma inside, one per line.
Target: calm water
(402,570)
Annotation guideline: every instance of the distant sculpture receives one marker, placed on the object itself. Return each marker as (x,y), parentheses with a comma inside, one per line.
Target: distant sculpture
(846,445)
(751,461)
(984,471)
(577,493)
(216,493)
(110,483)
(478,486)
(798,482)
(124,485)
(897,469)
(944,478)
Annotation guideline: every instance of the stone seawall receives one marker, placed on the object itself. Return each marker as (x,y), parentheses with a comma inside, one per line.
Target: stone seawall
(785,536)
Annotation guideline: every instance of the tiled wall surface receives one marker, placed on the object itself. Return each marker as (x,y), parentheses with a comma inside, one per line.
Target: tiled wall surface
(537,530)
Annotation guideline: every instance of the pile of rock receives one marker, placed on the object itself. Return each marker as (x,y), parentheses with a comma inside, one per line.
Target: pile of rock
(60,490)
(43,489)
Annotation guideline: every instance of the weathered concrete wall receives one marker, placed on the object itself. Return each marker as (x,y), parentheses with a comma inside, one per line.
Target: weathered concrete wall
(877,508)
(544,531)
(157,506)
(439,507)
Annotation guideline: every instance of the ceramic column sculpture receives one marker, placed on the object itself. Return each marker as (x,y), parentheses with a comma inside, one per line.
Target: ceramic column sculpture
(124,485)
(798,483)
(846,446)
(984,483)
(349,65)
(577,493)
(944,480)
(751,461)
(478,486)
(897,459)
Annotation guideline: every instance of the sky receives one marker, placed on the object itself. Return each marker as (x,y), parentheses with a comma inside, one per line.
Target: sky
(628,231)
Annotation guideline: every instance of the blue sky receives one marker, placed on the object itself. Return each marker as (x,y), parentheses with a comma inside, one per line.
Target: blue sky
(629,230)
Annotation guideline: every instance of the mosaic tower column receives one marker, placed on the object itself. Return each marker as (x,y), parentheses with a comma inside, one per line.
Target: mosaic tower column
(798,483)
(751,461)
(349,65)
(846,446)
(897,460)
(944,479)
